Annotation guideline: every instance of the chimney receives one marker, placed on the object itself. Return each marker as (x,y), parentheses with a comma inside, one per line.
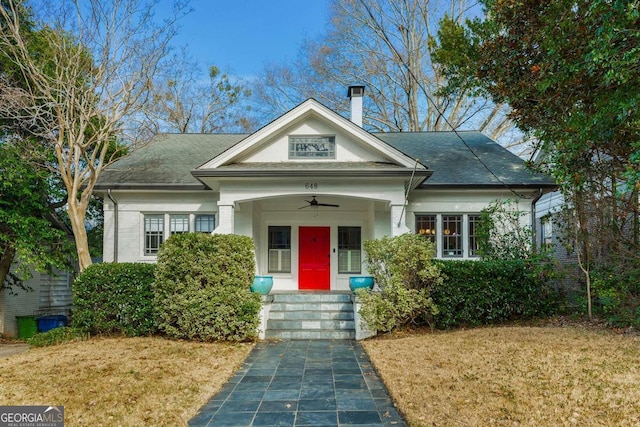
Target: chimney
(355,96)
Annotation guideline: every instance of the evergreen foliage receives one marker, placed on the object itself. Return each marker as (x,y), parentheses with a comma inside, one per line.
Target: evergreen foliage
(202,288)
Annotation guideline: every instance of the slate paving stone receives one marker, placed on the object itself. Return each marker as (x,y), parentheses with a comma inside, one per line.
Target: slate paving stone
(302,383)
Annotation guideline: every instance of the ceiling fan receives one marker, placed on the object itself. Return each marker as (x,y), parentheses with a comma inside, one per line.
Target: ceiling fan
(314,203)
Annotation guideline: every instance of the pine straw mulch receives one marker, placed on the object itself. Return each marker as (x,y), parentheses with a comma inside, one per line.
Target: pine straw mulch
(556,372)
(121,381)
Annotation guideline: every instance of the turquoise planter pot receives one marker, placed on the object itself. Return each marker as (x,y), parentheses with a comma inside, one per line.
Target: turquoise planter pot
(262,284)
(358,282)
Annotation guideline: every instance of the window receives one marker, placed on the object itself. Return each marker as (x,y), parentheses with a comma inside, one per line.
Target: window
(546,232)
(312,147)
(205,223)
(153,233)
(426,226)
(279,249)
(178,224)
(474,221)
(349,250)
(451,235)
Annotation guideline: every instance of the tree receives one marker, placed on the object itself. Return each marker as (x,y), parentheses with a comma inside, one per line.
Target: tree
(569,71)
(385,45)
(182,103)
(83,104)
(28,231)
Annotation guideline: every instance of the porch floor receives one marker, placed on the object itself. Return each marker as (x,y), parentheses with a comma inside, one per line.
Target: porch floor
(302,383)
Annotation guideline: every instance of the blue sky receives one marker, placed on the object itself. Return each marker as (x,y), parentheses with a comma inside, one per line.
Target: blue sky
(241,36)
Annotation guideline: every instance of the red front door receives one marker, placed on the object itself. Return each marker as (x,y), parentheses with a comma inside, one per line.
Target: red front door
(314,258)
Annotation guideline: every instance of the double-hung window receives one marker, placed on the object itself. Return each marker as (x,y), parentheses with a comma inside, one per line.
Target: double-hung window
(426,225)
(452,236)
(279,249)
(205,223)
(178,224)
(349,250)
(153,233)
(474,221)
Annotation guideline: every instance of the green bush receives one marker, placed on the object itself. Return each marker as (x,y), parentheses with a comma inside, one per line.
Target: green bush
(202,288)
(404,271)
(57,336)
(616,290)
(115,298)
(485,292)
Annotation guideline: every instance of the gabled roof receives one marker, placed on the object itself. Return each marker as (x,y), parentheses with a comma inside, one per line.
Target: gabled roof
(465,159)
(306,110)
(168,161)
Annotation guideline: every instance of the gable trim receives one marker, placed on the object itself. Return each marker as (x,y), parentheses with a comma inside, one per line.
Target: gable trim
(308,107)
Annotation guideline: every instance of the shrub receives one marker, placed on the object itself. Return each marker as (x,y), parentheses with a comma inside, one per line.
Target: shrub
(115,298)
(485,292)
(202,288)
(616,291)
(57,336)
(403,269)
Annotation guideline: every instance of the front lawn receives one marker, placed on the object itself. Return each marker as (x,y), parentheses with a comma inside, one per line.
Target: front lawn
(512,376)
(121,381)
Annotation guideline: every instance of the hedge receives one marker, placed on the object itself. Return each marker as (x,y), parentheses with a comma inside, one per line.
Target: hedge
(115,298)
(202,288)
(485,292)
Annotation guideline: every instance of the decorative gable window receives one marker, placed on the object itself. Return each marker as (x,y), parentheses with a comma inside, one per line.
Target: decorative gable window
(312,147)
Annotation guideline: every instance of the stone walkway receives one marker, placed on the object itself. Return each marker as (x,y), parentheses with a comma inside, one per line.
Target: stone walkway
(302,383)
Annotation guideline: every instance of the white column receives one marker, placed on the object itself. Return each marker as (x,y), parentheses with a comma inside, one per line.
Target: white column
(398,220)
(226,215)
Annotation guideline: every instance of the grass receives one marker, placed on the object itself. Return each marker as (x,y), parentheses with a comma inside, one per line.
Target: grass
(121,381)
(512,376)
(501,376)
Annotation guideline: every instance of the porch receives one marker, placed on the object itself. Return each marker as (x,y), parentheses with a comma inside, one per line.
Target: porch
(312,247)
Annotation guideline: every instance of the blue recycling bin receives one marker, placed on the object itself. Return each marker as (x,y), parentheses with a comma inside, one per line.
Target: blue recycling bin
(46,323)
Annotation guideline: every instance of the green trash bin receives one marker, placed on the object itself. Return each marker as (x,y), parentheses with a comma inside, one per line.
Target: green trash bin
(27,326)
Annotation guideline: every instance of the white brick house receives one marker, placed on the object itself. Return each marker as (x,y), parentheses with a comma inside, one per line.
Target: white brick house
(309,188)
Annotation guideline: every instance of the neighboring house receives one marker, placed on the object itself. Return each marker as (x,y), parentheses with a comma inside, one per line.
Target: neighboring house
(49,294)
(309,188)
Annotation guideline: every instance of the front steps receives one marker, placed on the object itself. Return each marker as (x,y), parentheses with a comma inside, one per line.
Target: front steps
(311,315)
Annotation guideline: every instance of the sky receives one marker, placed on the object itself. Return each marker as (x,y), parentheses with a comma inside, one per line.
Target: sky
(241,36)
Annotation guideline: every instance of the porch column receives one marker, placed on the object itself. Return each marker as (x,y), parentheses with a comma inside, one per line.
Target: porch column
(226,219)
(398,222)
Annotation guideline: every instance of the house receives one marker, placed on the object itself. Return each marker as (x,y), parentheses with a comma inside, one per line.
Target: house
(309,188)
(47,294)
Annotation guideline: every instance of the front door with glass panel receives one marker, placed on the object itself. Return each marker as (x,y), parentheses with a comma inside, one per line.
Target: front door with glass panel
(314,258)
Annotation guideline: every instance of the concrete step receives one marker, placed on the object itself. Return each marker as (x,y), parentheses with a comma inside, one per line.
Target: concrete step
(312,297)
(299,334)
(311,306)
(311,315)
(311,324)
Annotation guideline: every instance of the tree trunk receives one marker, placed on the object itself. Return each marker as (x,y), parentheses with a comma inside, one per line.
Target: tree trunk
(77,216)
(6,259)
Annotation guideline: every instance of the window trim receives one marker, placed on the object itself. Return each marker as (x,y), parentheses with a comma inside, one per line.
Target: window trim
(166,232)
(349,249)
(147,248)
(294,154)
(438,219)
(269,249)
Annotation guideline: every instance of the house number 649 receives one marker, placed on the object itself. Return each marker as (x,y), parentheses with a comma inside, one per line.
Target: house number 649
(311,185)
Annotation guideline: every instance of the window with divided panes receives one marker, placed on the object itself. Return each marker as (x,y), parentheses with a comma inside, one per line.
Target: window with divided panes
(349,250)
(279,249)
